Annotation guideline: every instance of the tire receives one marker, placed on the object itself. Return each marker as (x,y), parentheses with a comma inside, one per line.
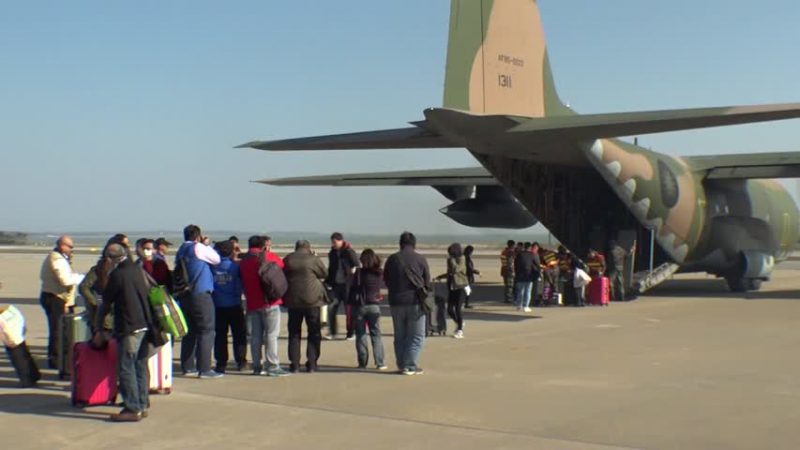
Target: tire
(741,285)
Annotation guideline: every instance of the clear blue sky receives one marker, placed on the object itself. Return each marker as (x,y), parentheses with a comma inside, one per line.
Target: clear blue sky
(111,112)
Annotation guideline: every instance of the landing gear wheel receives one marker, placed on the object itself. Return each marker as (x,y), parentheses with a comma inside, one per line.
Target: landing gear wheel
(743,284)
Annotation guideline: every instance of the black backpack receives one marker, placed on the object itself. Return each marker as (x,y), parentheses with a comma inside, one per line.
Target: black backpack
(181,285)
(273,280)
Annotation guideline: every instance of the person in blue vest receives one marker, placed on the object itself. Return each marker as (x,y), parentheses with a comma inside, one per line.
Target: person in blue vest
(197,345)
(229,311)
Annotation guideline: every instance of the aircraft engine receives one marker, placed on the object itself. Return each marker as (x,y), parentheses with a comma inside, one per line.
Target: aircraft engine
(490,207)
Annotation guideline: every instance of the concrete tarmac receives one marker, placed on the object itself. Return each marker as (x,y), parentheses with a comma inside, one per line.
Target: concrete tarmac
(690,366)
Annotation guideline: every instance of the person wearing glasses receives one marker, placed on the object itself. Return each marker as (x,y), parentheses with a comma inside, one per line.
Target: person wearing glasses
(59,284)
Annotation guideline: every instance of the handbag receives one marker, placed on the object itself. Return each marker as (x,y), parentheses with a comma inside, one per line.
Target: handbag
(425,297)
(358,293)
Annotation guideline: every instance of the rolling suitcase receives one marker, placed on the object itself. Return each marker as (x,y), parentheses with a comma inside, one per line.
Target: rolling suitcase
(600,291)
(24,365)
(74,328)
(94,375)
(160,367)
(436,322)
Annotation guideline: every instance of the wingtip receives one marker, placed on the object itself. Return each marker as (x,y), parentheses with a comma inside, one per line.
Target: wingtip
(250,144)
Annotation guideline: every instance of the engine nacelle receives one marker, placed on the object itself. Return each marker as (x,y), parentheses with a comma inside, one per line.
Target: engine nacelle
(489,213)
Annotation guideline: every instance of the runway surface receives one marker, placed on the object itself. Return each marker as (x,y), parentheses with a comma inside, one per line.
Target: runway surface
(690,366)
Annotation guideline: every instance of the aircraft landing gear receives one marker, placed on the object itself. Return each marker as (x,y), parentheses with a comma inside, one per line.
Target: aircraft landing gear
(743,284)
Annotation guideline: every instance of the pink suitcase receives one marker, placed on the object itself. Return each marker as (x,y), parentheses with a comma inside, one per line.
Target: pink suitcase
(160,366)
(600,291)
(94,375)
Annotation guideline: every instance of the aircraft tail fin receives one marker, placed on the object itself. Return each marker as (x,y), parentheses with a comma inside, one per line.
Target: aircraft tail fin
(497,62)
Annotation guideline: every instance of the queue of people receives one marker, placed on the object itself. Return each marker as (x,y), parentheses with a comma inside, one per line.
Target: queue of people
(209,283)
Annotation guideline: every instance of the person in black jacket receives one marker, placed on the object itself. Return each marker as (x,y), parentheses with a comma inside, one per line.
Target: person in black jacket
(471,272)
(408,316)
(527,269)
(342,265)
(366,295)
(127,292)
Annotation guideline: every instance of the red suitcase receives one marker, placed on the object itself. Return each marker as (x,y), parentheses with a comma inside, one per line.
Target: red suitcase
(600,291)
(94,375)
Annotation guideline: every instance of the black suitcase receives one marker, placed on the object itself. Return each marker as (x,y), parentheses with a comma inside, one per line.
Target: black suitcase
(25,366)
(436,321)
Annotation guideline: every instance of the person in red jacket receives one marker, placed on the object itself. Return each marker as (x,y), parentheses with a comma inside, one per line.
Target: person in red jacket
(264,316)
(156,268)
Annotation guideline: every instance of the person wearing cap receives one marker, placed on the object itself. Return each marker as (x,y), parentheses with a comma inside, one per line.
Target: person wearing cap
(126,293)
(197,345)
(304,299)
(161,246)
(59,285)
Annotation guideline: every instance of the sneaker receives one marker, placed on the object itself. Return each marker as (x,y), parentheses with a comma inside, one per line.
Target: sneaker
(211,375)
(382,367)
(329,337)
(241,366)
(190,373)
(409,371)
(145,414)
(277,372)
(419,371)
(220,369)
(459,334)
(350,338)
(258,370)
(527,310)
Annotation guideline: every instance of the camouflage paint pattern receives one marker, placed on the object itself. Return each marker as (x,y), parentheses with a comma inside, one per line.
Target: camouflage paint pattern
(498,65)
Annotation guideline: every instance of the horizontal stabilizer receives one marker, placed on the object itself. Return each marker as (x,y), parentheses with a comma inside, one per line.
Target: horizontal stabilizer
(750,165)
(597,126)
(476,176)
(415,137)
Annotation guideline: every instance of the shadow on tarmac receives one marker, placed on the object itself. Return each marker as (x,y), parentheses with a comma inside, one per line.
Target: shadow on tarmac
(714,288)
(19,301)
(40,404)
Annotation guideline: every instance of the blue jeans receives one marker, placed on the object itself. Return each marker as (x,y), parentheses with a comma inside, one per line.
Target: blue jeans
(368,316)
(409,335)
(265,327)
(134,376)
(198,344)
(524,290)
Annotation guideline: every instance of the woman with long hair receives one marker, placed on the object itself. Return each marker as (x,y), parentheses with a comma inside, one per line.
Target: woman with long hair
(457,282)
(365,296)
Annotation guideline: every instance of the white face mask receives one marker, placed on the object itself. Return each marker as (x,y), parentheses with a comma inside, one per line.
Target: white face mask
(147,252)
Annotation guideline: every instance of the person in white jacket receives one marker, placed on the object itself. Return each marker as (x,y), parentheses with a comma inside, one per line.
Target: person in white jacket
(59,284)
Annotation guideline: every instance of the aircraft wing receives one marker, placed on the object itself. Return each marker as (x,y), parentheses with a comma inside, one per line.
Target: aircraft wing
(749,165)
(596,126)
(411,137)
(477,176)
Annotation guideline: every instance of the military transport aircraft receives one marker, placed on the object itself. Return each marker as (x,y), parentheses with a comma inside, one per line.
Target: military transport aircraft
(542,161)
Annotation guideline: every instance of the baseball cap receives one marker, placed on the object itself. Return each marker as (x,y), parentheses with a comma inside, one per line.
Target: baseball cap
(162,241)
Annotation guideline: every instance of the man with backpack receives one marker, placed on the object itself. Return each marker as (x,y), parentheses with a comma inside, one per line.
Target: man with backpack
(193,284)
(263,280)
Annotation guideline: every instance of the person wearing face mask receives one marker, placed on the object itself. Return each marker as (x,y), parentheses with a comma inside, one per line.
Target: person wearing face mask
(156,268)
(59,284)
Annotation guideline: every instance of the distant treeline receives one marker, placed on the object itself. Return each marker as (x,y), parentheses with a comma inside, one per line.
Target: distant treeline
(11,238)
(97,239)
